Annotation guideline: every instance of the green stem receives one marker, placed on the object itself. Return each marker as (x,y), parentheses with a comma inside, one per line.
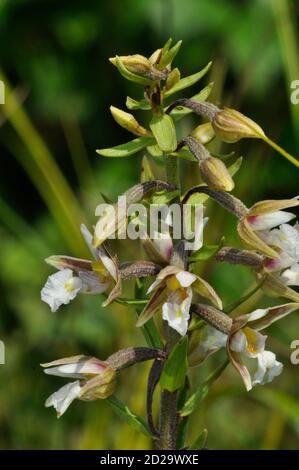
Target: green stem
(280,150)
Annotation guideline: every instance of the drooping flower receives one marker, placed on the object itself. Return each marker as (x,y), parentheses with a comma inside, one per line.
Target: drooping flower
(261,217)
(91,277)
(244,340)
(95,380)
(173,291)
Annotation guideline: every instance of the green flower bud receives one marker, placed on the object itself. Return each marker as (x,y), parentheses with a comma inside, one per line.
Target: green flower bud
(216,175)
(204,133)
(231,126)
(128,121)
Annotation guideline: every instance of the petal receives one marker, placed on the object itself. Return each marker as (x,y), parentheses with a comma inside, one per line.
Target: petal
(268,368)
(64,262)
(272,205)
(204,342)
(108,262)
(62,399)
(248,235)
(290,276)
(91,283)
(176,317)
(238,342)
(240,368)
(271,315)
(185,278)
(270,220)
(88,240)
(274,287)
(204,289)
(153,306)
(60,288)
(164,245)
(84,366)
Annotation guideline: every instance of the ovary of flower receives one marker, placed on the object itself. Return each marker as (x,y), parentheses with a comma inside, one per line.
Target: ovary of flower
(61,288)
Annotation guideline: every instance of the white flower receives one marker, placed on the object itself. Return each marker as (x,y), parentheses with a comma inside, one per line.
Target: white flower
(291,276)
(246,342)
(91,277)
(176,310)
(173,293)
(268,368)
(96,380)
(286,239)
(61,288)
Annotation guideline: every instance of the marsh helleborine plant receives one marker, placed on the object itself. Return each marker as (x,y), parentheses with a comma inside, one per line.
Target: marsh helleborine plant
(194,322)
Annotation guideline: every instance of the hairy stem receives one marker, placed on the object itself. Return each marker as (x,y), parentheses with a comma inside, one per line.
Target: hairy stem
(168,406)
(168,400)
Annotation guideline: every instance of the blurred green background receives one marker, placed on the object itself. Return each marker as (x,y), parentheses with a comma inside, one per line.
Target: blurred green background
(59,85)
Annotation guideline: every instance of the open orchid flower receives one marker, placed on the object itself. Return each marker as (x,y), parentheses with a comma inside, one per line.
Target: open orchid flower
(173,291)
(282,272)
(244,340)
(94,380)
(261,217)
(286,240)
(79,275)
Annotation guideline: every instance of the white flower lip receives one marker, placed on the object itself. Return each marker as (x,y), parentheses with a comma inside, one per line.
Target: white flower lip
(60,288)
(268,368)
(62,399)
(177,314)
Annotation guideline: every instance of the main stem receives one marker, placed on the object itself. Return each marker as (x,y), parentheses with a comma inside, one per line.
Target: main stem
(168,401)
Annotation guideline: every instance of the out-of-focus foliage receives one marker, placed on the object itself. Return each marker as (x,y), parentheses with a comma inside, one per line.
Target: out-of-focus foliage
(55,55)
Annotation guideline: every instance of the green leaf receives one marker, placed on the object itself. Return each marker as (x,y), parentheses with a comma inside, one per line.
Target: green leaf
(134,104)
(235,167)
(175,368)
(164,131)
(185,154)
(188,81)
(127,415)
(130,75)
(200,441)
(168,56)
(197,397)
(125,150)
(180,111)
(206,252)
(154,150)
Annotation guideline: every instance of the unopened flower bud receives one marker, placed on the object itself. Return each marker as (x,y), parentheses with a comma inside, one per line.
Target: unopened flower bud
(204,133)
(172,78)
(134,63)
(231,126)
(128,121)
(216,175)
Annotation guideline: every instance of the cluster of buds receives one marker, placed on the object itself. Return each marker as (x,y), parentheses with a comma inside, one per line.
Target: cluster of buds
(177,293)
